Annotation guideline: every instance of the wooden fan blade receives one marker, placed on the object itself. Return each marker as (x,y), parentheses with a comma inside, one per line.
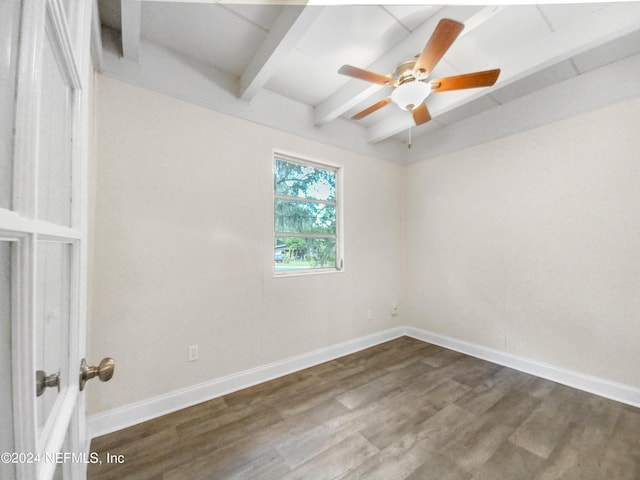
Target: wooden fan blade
(366,75)
(371,109)
(442,38)
(421,114)
(469,80)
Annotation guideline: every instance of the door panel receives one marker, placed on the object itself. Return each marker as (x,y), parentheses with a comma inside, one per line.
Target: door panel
(43,159)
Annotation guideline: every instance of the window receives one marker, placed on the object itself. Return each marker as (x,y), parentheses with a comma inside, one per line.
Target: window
(306,234)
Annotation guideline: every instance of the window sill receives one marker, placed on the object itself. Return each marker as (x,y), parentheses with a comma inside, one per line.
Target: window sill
(305,272)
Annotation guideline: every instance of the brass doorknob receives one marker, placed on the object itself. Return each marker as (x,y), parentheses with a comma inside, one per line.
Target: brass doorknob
(43,381)
(104,371)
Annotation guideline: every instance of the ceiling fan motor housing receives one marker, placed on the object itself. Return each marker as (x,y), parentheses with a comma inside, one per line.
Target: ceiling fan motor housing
(405,72)
(411,91)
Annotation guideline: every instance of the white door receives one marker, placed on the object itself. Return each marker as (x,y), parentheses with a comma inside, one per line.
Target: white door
(44,98)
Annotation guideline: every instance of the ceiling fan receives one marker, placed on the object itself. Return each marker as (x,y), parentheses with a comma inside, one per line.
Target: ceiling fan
(409,79)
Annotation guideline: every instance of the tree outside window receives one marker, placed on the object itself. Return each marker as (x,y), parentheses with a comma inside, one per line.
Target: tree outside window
(305,216)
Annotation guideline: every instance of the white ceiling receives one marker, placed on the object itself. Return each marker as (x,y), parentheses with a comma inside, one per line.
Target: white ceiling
(257,53)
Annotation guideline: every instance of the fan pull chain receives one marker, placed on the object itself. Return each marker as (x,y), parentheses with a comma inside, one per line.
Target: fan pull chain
(410,144)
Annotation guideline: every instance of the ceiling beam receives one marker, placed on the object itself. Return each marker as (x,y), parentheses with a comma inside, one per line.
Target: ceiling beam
(606,24)
(291,24)
(130,12)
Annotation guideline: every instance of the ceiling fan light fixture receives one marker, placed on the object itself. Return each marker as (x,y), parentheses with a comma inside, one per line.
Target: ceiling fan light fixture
(411,94)
(409,78)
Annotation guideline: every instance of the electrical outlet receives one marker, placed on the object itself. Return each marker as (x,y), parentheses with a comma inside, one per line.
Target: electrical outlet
(193,353)
(394,309)
(369,314)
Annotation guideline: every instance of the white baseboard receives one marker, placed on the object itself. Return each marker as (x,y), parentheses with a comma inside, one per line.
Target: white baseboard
(598,386)
(132,414)
(128,415)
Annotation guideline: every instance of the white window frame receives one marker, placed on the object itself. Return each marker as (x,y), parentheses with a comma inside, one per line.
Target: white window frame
(338,170)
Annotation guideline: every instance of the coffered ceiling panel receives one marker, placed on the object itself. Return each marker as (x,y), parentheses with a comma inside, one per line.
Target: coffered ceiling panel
(306,79)
(202,31)
(560,15)
(501,34)
(412,16)
(366,31)
(263,15)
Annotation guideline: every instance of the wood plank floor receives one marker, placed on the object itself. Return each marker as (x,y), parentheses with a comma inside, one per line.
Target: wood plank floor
(404,409)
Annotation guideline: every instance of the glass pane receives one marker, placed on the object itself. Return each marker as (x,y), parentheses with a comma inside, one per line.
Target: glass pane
(9,23)
(304,217)
(295,253)
(57,475)
(304,181)
(54,151)
(67,4)
(6,406)
(52,320)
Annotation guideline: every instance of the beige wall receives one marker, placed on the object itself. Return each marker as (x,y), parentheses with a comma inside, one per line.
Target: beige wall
(183,248)
(527,245)
(530,245)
